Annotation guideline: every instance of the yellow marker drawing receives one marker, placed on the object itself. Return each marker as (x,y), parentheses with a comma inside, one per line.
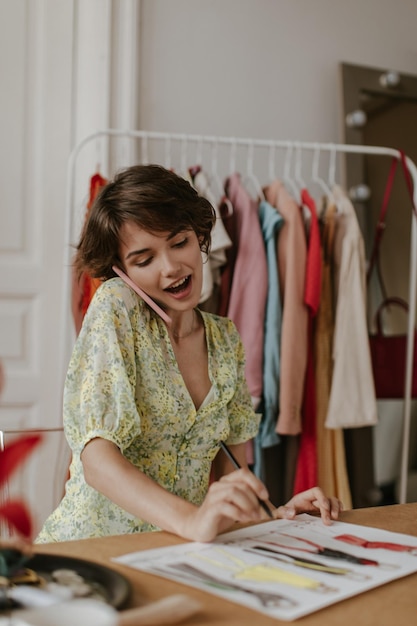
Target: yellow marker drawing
(261,572)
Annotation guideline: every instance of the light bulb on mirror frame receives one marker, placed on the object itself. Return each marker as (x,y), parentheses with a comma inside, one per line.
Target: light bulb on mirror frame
(356,119)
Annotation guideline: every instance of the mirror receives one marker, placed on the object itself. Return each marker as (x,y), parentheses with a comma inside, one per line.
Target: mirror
(380,109)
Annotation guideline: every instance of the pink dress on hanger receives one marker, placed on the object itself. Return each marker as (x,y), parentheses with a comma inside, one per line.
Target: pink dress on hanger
(249,286)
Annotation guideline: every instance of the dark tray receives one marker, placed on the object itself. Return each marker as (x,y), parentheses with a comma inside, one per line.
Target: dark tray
(105,582)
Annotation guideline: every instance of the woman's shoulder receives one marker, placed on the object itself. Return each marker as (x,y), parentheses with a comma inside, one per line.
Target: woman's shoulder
(220,325)
(114,291)
(114,300)
(216,320)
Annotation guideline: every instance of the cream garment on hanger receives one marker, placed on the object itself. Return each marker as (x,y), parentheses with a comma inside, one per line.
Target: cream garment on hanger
(207,285)
(352,400)
(220,240)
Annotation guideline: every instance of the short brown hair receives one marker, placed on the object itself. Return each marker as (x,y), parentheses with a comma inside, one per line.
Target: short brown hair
(154,198)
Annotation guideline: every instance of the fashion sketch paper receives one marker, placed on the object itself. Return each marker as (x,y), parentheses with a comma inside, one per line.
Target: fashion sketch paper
(286,569)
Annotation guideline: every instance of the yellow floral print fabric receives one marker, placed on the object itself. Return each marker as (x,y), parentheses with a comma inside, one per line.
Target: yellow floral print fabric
(124,385)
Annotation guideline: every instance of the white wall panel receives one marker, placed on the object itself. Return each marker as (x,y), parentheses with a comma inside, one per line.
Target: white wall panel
(16,316)
(35,122)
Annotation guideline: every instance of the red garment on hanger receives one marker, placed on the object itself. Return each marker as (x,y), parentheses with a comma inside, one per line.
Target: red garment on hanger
(306,470)
(84,287)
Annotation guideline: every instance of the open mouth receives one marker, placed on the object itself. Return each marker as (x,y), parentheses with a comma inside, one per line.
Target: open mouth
(179,286)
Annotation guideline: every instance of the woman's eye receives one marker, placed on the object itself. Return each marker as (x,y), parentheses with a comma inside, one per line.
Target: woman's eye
(182,243)
(144,262)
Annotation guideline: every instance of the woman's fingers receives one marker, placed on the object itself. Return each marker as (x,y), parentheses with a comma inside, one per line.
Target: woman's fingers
(245,476)
(233,498)
(312,500)
(244,489)
(329,507)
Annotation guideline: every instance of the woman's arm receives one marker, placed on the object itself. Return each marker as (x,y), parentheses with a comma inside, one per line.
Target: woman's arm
(110,473)
(234,498)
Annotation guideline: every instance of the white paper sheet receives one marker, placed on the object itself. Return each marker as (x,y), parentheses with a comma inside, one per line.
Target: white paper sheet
(285,569)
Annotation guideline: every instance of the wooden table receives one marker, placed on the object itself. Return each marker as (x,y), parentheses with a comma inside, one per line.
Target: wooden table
(393,604)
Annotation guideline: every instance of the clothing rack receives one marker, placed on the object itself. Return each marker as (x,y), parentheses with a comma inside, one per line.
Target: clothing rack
(294,151)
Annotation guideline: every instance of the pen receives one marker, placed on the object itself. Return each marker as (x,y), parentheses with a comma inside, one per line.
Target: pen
(236,465)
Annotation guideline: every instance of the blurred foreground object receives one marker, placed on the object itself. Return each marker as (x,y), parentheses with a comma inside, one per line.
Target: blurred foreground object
(15,512)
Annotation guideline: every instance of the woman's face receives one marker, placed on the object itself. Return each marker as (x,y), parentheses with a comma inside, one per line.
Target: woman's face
(167,267)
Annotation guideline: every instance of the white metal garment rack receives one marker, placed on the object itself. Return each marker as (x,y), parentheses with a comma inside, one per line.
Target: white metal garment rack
(233,144)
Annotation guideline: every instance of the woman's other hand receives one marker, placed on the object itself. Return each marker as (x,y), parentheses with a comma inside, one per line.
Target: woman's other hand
(311,501)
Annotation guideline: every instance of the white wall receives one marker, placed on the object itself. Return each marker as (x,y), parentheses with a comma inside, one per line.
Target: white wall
(264,68)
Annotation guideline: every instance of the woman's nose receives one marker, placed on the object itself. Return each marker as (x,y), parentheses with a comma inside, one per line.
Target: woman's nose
(170,266)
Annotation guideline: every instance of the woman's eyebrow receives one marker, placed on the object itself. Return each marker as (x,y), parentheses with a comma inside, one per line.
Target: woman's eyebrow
(174,234)
(147,250)
(136,253)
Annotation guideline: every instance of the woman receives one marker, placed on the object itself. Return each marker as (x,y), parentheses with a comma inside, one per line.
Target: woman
(149,398)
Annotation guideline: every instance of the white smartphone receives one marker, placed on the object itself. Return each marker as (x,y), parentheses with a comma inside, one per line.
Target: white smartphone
(142,294)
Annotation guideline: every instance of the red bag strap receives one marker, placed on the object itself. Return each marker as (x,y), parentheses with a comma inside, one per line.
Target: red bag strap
(408,180)
(380,227)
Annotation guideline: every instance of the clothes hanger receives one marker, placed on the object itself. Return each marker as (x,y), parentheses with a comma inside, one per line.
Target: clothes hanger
(271,163)
(225,205)
(214,175)
(287,180)
(305,206)
(315,178)
(197,167)
(297,169)
(321,202)
(250,174)
(271,167)
(184,154)
(232,157)
(186,171)
(331,176)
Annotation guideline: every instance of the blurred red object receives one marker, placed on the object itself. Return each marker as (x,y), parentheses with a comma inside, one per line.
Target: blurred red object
(15,512)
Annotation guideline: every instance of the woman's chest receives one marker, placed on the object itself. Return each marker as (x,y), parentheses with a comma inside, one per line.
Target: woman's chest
(192,363)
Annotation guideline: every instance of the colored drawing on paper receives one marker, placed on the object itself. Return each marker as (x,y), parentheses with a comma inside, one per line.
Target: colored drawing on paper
(286,569)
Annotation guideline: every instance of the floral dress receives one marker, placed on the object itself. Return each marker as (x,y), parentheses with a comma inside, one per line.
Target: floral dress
(124,385)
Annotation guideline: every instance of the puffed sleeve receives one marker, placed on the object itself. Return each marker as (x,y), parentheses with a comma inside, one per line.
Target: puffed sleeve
(99,394)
